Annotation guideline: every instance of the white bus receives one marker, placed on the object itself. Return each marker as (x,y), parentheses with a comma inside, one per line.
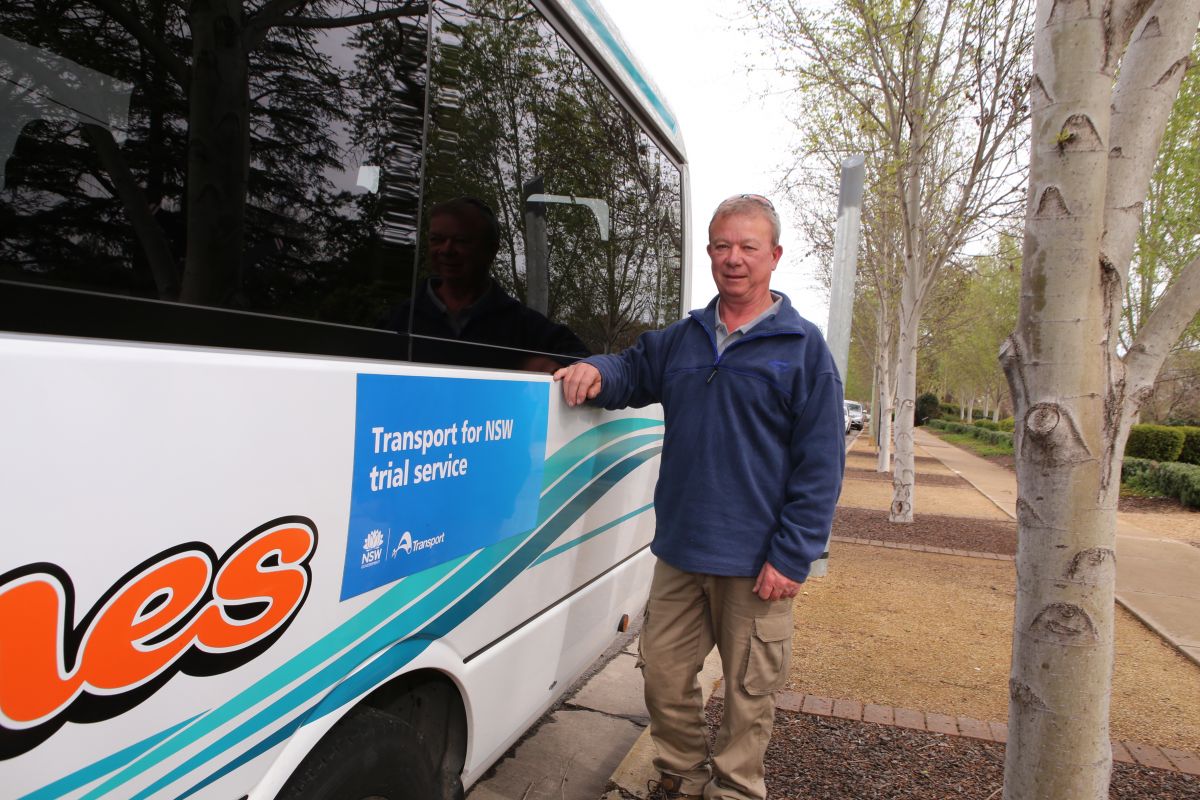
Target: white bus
(277,518)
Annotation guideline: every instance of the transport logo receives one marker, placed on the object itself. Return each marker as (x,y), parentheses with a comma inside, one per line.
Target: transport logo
(410,545)
(182,610)
(377,548)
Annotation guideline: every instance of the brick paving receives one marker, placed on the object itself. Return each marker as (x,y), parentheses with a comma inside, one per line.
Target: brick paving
(1128,752)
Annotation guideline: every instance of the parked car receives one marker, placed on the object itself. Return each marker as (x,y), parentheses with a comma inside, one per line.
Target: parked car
(855,412)
(846,418)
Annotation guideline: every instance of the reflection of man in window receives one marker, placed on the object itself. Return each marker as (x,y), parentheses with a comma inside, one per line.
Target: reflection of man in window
(472,321)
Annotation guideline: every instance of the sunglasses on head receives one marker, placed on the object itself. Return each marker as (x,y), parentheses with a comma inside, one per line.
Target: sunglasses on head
(758,198)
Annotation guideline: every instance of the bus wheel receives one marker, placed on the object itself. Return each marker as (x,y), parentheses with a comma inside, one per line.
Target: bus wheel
(367,755)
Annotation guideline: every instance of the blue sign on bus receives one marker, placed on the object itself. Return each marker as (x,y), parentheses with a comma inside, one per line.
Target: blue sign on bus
(442,467)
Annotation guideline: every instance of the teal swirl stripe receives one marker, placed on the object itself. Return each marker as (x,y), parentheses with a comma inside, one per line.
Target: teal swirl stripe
(580,473)
(400,653)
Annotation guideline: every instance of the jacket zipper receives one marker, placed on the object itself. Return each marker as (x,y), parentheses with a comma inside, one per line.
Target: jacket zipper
(717,355)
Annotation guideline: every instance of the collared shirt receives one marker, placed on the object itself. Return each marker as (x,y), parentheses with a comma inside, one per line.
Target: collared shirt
(456,319)
(726,337)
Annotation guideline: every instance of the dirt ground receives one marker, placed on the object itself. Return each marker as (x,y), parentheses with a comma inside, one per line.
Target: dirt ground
(934,632)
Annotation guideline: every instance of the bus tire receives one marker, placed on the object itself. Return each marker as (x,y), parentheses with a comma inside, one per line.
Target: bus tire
(367,754)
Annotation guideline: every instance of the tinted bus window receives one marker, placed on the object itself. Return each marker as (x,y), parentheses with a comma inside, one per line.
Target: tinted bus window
(163,182)
(586,208)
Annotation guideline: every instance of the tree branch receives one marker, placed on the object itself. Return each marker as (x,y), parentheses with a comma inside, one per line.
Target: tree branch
(1124,16)
(346,22)
(1142,99)
(1175,310)
(268,16)
(170,60)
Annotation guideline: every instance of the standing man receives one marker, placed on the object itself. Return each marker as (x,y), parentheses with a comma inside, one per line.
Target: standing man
(751,469)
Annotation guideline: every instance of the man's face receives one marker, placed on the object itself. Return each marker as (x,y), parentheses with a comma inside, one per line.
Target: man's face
(743,257)
(457,247)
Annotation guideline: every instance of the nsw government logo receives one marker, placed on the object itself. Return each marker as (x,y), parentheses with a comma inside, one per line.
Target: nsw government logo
(372,549)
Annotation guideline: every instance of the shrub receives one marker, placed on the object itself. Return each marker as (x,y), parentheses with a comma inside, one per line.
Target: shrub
(1007,424)
(1173,479)
(1180,480)
(1133,467)
(928,408)
(1156,442)
(1191,445)
(987,423)
(979,432)
(993,437)
(950,410)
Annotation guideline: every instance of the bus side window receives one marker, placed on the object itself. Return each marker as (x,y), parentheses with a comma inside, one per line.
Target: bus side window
(583,210)
(273,206)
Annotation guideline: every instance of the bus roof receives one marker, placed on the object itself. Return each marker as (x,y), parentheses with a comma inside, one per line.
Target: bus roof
(592,21)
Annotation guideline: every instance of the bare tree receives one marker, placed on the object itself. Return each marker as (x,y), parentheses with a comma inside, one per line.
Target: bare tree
(940,84)
(1105,77)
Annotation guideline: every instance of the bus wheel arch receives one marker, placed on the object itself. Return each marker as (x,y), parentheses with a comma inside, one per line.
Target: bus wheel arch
(406,740)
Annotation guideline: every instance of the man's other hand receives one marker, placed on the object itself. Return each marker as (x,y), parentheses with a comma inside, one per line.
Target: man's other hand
(774,585)
(580,382)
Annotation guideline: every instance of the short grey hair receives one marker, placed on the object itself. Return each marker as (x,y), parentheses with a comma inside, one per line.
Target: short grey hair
(749,205)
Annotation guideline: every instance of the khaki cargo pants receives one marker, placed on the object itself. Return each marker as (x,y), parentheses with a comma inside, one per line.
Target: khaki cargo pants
(686,615)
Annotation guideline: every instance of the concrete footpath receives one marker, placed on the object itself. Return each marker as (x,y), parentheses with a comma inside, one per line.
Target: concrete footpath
(597,727)
(1158,580)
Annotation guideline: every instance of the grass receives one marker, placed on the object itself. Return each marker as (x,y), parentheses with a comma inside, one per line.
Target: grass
(977,446)
(1131,488)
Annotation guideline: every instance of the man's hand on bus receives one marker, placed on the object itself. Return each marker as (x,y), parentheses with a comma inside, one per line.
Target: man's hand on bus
(580,382)
(774,585)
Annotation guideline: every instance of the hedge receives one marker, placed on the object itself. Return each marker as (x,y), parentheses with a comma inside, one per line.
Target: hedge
(987,423)
(1155,442)
(1173,479)
(951,410)
(983,434)
(1007,424)
(1191,445)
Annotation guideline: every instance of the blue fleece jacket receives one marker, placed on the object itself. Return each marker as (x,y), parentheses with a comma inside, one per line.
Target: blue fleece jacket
(753,455)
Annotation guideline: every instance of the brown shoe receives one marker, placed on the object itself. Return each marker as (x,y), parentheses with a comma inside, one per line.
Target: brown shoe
(667,788)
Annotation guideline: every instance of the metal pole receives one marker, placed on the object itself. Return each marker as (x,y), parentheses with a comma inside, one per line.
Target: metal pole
(841,292)
(845,260)
(537,259)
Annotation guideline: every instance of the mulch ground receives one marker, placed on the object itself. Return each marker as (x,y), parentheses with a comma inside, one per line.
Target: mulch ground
(824,758)
(931,530)
(925,479)
(1153,505)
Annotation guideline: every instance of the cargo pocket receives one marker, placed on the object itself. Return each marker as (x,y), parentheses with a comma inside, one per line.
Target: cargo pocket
(769,654)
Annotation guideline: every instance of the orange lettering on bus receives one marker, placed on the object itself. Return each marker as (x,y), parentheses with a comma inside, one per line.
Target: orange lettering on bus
(117,650)
(245,578)
(33,681)
(172,606)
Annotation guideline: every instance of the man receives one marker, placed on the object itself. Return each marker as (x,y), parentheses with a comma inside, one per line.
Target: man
(461,316)
(751,469)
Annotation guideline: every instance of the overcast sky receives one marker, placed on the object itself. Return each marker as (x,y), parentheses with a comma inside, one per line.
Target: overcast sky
(736,138)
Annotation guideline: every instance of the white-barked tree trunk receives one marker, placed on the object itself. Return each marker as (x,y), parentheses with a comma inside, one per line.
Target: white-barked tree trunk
(1075,396)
